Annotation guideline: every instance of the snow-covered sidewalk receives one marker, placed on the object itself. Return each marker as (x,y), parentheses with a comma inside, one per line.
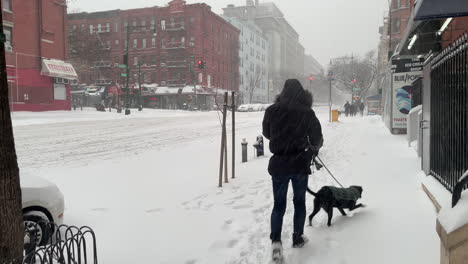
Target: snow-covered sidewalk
(147,185)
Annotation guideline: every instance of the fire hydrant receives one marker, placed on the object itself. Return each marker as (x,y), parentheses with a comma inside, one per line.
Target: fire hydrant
(259,146)
(244,150)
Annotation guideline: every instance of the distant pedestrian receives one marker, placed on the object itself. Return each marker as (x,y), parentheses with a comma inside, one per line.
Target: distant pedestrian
(347,108)
(361,108)
(295,136)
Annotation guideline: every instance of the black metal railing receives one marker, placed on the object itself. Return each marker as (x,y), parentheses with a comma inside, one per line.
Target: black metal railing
(67,245)
(449,113)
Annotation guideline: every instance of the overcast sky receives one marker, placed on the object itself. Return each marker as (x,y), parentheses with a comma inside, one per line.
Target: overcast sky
(327,28)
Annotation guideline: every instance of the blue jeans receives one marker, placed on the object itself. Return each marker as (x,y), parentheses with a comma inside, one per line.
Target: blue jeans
(280,192)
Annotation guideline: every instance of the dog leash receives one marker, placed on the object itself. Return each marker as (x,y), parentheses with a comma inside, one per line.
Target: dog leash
(331,174)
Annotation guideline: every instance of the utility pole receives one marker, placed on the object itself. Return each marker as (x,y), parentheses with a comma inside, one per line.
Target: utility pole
(330,79)
(127,103)
(140,107)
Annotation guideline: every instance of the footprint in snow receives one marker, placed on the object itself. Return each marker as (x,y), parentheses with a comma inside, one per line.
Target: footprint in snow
(154,210)
(100,209)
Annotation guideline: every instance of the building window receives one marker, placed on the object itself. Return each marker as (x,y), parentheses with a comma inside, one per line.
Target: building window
(398,3)
(116,43)
(107,29)
(153,42)
(116,27)
(192,20)
(153,22)
(99,28)
(7,5)
(144,44)
(108,44)
(143,60)
(116,59)
(135,43)
(91,29)
(126,44)
(396,26)
(125,26)
(82,29)
(135,60)
(163,43)
(163,24)
(8,31)
(153,59)
(134,23)
(143,24)
(153,77)
(182,41)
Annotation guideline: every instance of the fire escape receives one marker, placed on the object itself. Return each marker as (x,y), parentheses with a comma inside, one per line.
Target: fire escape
(103,65)
(176,53)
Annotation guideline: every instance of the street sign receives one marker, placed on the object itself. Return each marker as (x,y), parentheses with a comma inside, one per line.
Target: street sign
(356,89)
(123,75)
(123,66)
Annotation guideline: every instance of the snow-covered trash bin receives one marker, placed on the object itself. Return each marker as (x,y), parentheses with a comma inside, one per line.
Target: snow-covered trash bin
(413,124)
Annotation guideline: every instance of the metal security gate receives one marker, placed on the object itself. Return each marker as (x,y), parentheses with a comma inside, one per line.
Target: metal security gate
(449,114)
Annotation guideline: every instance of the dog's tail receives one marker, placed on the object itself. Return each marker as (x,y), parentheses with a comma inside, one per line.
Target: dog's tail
(311,192)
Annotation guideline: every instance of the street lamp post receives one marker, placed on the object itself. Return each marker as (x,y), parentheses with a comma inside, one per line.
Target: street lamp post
(127,67)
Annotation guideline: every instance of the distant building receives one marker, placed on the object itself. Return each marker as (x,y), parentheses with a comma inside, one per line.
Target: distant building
(312,67)
(286,53)
(36,44)
(254,61)
(165,42)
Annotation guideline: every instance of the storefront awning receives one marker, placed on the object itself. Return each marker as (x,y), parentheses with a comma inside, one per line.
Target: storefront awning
(438,9)
(58,69)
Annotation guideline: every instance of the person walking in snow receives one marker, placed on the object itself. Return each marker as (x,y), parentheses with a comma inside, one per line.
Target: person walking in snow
(347,108)
(361,108)
(295,136)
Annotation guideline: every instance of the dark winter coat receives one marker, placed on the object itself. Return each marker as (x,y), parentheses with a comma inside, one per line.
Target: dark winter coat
(290,124)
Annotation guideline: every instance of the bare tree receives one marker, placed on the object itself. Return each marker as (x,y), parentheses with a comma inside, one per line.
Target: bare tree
(255,79)
(11,221)
(89,51)
(355,75)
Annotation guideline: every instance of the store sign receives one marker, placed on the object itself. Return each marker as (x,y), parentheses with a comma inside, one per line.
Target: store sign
(404,73)
(58,69)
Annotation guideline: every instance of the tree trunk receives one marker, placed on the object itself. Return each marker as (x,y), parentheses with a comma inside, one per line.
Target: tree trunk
(11,220)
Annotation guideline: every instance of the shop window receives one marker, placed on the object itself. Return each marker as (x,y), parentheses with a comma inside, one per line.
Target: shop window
(60,91)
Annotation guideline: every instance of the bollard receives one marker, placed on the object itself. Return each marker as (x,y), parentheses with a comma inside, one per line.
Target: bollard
(244,150)
(259,146)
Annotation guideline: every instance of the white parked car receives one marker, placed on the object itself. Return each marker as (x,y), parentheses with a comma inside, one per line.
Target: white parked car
(42,203)
(245,108)
(92,91)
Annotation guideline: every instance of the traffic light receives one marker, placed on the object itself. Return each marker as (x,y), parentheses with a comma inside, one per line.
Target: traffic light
(311,78)
(201,64)
(354,81)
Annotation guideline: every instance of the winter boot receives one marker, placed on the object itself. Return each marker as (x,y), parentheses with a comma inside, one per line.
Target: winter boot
(299,240)
(277,252)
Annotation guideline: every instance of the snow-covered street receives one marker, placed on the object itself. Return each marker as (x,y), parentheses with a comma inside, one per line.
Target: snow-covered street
(147,184)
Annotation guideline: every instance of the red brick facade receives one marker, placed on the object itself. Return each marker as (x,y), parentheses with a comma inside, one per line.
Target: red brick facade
(400,15)
(164,41)
(35,30)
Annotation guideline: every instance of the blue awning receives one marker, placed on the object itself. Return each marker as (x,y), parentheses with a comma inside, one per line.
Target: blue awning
(438,9)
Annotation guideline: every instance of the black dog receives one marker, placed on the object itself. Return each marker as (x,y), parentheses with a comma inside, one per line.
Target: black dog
(329,197)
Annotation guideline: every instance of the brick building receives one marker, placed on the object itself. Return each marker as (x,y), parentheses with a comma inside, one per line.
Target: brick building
(400,12)
(164,43)
(38,76)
